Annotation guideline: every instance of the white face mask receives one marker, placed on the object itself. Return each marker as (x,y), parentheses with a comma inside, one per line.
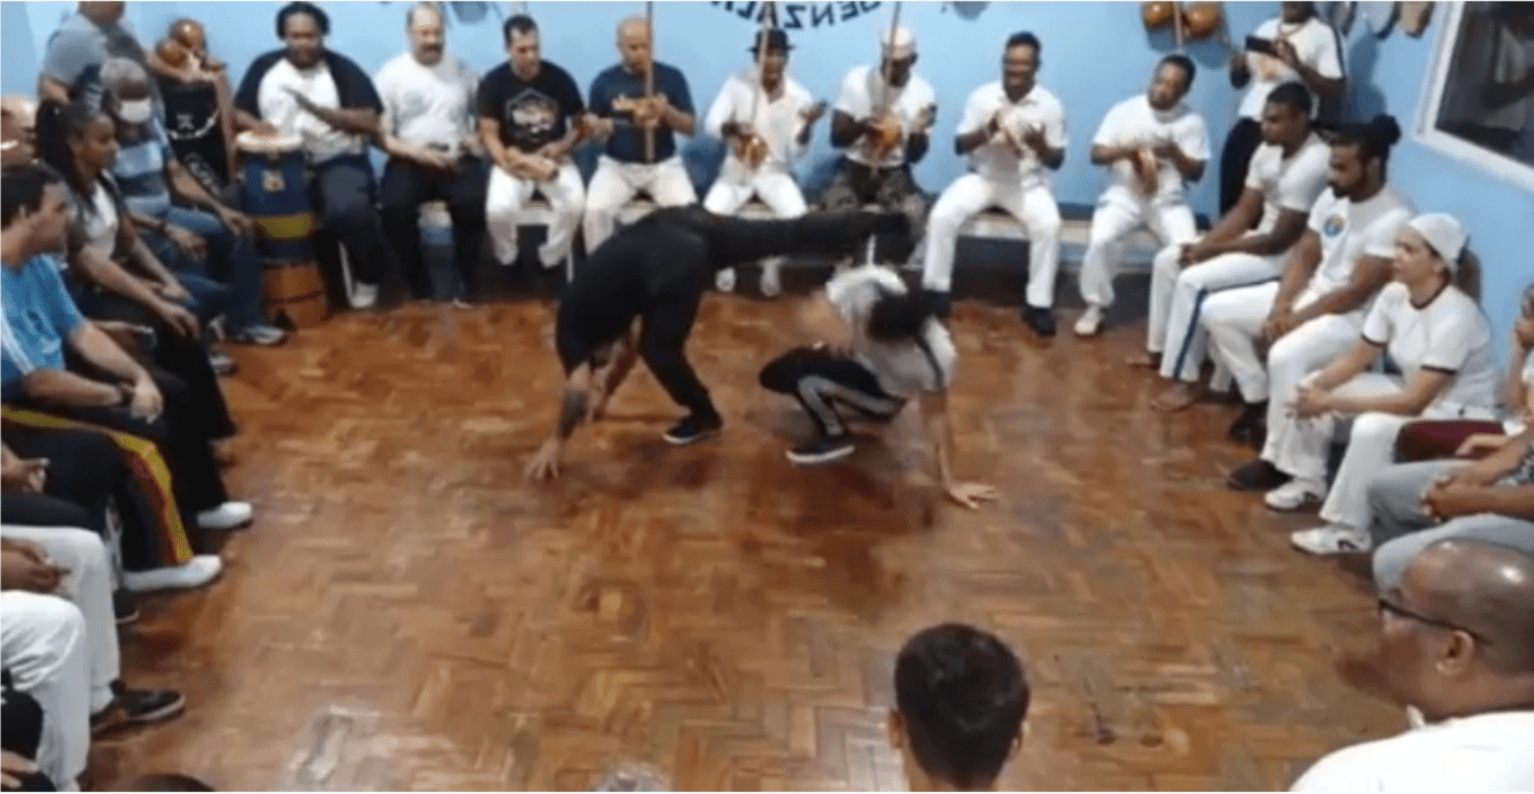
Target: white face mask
(135,112)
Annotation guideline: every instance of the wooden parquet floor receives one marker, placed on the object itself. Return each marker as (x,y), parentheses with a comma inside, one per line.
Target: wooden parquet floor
(407,613)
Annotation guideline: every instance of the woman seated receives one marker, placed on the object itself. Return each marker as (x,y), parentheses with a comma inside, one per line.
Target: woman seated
(1435,333)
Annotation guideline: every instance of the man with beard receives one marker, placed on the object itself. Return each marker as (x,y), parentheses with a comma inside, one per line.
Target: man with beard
(656,271)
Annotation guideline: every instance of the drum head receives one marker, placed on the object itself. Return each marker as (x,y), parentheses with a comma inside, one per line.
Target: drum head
(280,143)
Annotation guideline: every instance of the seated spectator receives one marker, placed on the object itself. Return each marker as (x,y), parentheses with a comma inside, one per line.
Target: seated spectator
(325,98)
(1436,335)
(960,699)
(18,120)
(151,180)
(1456,642)
(76,51)
(40,320)
(199,105)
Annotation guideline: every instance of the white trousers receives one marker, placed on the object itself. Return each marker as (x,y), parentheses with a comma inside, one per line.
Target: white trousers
(1115,218)
(776,188)
(614,183)
(1176,302)
(1032,205)
(508,194)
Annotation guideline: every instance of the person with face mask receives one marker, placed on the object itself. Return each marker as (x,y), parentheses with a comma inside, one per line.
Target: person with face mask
(766,118)
(325,99)
(1152,145)
(427,125)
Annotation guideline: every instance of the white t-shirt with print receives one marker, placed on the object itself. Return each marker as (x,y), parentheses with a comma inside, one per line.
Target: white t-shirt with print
(993,159)
(427,105)
(1288,183)
(861,93)
(1134,122)
(1487,752)
(1348,231)
(1448,335)
(904,370)
(1314,42)
(279,108)
(778,121)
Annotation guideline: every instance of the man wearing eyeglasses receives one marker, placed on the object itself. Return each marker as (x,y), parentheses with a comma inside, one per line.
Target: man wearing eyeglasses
(1457,643)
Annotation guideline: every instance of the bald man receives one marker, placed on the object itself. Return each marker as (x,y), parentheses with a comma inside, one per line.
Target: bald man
(1457,643)
(623,115)
(18,118)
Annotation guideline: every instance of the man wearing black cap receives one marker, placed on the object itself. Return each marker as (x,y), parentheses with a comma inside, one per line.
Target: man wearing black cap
(766,117)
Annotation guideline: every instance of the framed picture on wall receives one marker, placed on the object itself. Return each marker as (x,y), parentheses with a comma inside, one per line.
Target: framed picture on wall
(1479,102)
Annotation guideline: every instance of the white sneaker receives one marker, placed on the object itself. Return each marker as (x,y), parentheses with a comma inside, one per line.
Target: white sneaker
(1295,494)
(364,296)
(195,573)
(1331,539)
(1091,321)
(229,515)
(725,280)
(771,284)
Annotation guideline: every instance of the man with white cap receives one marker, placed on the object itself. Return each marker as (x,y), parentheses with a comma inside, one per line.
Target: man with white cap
(1436,335)
(881,121)
(766,117)
(1014,133)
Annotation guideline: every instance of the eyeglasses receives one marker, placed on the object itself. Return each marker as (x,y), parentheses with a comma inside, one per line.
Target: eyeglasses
(1386,605)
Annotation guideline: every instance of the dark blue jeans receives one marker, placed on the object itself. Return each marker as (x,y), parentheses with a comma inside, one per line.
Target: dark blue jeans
(231,257)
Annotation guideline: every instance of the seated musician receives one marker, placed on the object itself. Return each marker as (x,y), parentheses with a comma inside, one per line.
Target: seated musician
(528,108)
(323,97)
(881,121)
(199,104)
(766,118)
(151,179)
(640,128)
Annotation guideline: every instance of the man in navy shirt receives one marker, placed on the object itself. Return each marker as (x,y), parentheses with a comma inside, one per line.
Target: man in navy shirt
(640,132)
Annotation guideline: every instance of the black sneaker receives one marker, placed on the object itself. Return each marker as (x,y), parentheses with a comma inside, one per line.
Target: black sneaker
(136,707)
(124,607)
(1250,427)
(1042,321)
(693,428)
(1259,475)
(822,450)
(259,334)
(221,363)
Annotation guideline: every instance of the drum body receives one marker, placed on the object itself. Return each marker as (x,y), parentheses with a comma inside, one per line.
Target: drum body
(274,193)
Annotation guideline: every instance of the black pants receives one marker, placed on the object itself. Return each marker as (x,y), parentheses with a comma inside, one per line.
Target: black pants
(893,189)
(824,382)
(343,193)
(406,186)
(84,471)
(21,732)
(1240,144)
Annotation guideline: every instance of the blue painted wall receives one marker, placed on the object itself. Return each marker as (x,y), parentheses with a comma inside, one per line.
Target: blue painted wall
(1095,54)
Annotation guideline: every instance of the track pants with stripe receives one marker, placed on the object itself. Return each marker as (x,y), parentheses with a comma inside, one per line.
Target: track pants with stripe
(825,383)
(1177,300)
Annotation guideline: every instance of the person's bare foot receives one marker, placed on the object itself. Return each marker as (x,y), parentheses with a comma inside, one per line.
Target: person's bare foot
(1175,399)
(1146,360)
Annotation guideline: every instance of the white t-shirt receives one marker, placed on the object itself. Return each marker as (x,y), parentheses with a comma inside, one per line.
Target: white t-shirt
(1448,335)
(99,228)
(779,121)
(904,370)
(861,92)
(1314,42)
(993,159)
(1487,752)
(1349,231)
(281,110)
(1134,122)
(1288,183)
(427,105)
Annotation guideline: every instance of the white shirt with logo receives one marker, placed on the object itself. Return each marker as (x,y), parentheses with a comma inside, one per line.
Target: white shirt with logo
(1349,230)
(427,105)
(994,160)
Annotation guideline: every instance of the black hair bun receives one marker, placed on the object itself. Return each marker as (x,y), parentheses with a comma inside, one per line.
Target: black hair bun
(1384,125)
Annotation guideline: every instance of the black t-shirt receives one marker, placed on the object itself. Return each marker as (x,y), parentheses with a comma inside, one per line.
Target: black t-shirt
(533,113)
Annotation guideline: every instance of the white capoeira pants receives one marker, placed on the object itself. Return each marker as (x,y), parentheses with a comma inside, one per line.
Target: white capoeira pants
(1176,303)
(614,183)
(62,649)
(775,187)
(507,196)
(1032,204)
(1116,217)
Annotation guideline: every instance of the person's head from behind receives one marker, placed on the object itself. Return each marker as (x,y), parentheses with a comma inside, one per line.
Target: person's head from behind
(1432,250)
(34,214)
(634,44)
(77,140)
(302,26)
(899,317)
(960,699)
(127,93)
(523,49)
(1171,81)
(1457,633)
(1286,116)
(427,31)
(1360,154)
(1020,63)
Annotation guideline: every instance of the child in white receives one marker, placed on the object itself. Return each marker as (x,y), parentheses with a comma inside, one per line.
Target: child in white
(1436,335)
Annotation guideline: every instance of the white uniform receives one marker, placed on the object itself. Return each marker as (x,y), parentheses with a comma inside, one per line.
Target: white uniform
(1485,752)
(62,649)
(1448,335)
(1314,42)
(1122,207)
(1287,184)
(862,90)
(1019,185)
(779,122)
(1233,318)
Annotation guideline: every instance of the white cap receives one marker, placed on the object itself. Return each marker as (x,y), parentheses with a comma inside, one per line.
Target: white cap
(899,44)
(1443,232)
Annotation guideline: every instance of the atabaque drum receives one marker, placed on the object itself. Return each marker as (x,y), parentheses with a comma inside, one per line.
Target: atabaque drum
(274,194)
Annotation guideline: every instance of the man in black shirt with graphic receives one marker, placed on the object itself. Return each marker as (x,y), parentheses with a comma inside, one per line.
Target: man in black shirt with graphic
(527,108)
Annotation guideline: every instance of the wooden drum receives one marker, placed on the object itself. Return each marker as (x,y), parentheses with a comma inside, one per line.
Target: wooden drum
(274,194)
